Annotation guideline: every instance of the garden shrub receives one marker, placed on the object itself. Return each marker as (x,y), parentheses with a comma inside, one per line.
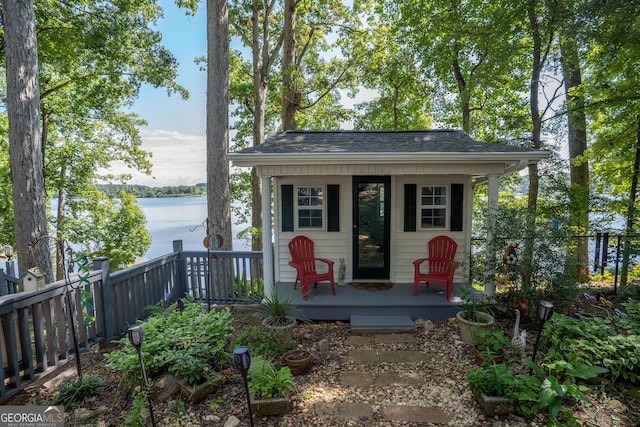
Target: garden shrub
(186,340)
(260,341)
(610,342)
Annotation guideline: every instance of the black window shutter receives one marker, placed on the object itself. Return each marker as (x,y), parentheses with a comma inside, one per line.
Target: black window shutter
(333,207)
(410,207)
(286,193)
(457,196)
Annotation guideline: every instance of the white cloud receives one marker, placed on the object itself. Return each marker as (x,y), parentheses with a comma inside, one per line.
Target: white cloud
(177,158)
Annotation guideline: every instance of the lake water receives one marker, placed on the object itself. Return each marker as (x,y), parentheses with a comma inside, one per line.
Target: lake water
(174,218)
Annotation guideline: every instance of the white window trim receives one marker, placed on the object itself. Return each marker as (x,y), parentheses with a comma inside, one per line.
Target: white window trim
(323,208)
(446,206)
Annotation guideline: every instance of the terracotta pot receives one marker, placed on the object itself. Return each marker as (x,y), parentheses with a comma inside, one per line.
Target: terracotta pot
(299,361)
(482,357)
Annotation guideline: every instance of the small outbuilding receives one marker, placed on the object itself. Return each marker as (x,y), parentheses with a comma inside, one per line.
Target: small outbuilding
(374,198)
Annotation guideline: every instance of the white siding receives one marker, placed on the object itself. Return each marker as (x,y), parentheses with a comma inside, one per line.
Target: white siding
(405,246)
(331,245)
(412,245)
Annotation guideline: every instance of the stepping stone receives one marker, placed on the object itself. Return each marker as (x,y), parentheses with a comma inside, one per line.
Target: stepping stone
(403,356)
(344,411)
(356,379)
(363,356)
(368,324)
(358,340)
(416,414)
(395,338)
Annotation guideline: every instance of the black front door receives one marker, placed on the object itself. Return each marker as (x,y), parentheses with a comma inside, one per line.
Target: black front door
(371,225)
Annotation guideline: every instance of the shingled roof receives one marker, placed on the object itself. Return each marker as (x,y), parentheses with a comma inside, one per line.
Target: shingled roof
(349,146)
(432,141)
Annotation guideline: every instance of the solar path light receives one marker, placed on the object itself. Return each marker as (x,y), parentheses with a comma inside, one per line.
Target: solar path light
(544,312)
(242,362)
(136,336)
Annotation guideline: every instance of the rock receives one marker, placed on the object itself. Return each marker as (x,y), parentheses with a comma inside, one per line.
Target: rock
(211,418)
(232,422)
(164,387)
(323,345)
(419,323)
(429,325)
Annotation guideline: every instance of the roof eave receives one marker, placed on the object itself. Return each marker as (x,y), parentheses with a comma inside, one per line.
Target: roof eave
(283,159)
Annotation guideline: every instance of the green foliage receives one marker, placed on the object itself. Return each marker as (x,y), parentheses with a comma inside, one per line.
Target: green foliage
(473,305)
(184,341)
(115,229)
(279,308)
(267,382)
(140,191)
(138,412)
(175,410)
(74,390)
(491,343)
(608,343)
(495,379)
(549,390)
(261,341)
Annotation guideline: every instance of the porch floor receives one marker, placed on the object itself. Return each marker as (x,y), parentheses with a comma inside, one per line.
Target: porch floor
(430,303)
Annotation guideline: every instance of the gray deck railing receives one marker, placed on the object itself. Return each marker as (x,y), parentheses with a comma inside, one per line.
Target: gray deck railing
(8,283)
(36,336)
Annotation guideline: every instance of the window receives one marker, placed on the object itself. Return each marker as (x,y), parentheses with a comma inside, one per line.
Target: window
(433,207)
(310,207)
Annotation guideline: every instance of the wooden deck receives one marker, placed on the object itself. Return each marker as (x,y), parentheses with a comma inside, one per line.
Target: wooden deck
(430,303)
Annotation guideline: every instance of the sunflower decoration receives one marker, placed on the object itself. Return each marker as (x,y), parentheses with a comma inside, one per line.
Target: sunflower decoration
(500,281)
(510,256)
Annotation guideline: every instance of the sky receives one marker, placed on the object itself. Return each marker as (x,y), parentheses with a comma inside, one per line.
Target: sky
(175,134)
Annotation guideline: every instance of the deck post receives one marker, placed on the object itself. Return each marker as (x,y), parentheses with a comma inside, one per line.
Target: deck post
(102,264)
(182,287)
(492,212)
(267,240)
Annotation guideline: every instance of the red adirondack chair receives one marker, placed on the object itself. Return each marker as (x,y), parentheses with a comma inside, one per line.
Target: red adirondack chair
(304,261)
(441,264)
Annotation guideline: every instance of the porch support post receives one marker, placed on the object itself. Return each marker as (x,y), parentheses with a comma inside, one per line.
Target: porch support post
(492,212)
(267,241)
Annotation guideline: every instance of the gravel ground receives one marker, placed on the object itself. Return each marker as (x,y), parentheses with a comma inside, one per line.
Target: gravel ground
(323,391)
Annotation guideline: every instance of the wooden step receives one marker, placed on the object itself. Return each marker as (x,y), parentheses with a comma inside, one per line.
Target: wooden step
(378,324)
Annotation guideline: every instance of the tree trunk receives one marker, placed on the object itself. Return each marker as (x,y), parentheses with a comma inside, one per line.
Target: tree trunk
(25,146)
(260,96)
(631,210)
(60,226)
(290,98)
(465,106)
(218,193)
(579,167)
(536,132)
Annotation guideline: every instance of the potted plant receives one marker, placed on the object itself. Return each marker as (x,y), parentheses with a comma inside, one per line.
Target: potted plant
(490,346)
(299,361)
(472,318)
(280,316)
(194,371)
(495,388)
(270,388)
